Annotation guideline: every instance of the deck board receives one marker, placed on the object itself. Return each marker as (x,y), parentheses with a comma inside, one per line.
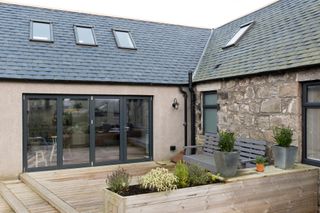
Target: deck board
(4,207)
(32,201)
(82,188)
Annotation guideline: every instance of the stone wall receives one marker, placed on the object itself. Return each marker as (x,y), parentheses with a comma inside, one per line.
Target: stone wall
(252,106)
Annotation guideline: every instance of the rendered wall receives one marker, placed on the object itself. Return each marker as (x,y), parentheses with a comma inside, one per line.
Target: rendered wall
(168,128)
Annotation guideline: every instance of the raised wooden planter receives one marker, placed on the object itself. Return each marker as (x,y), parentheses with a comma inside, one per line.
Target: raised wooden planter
(275,190)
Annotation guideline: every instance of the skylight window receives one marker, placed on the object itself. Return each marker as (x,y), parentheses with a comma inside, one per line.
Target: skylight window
(41,31)
(124,39)
(85,35)
(243,29)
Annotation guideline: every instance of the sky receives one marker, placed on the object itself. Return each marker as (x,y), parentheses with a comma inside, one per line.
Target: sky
(196,13)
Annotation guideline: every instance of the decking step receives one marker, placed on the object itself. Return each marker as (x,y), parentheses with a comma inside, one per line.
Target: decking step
(21,198)
(4,207)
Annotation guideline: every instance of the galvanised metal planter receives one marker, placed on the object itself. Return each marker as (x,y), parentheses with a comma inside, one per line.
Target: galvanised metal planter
(226,163)
(284,157)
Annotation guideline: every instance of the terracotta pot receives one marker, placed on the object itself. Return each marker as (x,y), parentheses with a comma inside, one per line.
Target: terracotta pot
(260,167)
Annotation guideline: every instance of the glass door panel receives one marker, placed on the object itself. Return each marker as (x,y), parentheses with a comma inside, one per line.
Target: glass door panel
(42,132)
(76,134)
(107,130)
(137,129)
(313,134)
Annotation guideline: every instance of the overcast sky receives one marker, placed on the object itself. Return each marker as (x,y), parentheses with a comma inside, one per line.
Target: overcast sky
(198,13)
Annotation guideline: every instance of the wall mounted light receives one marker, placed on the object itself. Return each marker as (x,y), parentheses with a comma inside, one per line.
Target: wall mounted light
(175,104)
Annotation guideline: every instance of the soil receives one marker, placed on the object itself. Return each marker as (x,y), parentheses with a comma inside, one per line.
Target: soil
(136,190)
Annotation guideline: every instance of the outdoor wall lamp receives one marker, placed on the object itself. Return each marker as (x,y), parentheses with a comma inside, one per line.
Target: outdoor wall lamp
(175,104)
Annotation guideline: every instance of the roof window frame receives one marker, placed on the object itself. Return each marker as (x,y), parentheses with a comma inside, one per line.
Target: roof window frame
(234,43)
(77,37)
(114,30)
(50,23)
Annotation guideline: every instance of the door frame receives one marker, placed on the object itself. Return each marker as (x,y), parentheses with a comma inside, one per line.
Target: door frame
(59,125)
(307,105)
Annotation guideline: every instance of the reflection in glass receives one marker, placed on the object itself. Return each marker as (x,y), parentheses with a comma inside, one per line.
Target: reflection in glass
(313,134)
(107,127)
(75,131)
(137,129)
(41,31)
(210,99)
(210,120)
(42,132)
(124,39)
(85,35)
(314,93)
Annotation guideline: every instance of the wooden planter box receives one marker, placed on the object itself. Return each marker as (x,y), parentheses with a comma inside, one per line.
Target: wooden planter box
(275,190)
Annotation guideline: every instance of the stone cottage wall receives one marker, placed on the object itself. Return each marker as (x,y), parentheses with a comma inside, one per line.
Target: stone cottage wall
(252,106)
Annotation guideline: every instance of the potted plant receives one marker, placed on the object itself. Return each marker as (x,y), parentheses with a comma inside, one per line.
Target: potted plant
(283,153)
(226,159)
(260,162)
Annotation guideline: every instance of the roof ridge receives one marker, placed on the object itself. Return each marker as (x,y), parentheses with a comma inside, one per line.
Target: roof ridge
(97,14)
(250,13)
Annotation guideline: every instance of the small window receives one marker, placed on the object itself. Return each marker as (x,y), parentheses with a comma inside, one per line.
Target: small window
(243,29)
(85,35)
(210,112)
(124,39)
(41,31)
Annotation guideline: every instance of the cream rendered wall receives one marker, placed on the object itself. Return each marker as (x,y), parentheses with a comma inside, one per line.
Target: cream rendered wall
(168,126)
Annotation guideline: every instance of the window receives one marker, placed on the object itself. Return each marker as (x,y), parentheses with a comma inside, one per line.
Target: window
(85,35)
(243,29)
(311,123)
(41,31)
(124,39)
(210,112)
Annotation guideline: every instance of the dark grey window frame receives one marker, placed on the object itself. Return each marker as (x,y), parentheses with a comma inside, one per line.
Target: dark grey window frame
(114,30)
(42,22)
(77,37)
(91,99)
(250,24)
(307,105)
(204,107)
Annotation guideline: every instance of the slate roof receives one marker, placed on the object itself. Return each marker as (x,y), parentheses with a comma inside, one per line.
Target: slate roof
(286,34)
(165,53)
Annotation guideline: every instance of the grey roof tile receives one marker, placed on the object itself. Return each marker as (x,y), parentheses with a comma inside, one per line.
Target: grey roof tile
(285,35)
(165,54)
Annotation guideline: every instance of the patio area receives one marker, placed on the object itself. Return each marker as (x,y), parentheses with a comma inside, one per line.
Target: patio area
(81,190)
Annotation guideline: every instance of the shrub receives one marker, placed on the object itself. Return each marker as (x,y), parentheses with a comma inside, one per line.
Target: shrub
(182,173)
(198,175)
(226,142)
(260,160)
(283,136)
(118,181)
(159,179)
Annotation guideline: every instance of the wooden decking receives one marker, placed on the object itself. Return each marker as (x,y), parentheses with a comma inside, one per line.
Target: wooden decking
(78,190)
(4,207)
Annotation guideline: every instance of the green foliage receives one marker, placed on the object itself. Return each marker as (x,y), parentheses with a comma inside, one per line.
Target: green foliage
(226,142)
(118,181)
(215,178)
(283,136)
(159,179)
(182,173)
(261,160)
(198,175)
